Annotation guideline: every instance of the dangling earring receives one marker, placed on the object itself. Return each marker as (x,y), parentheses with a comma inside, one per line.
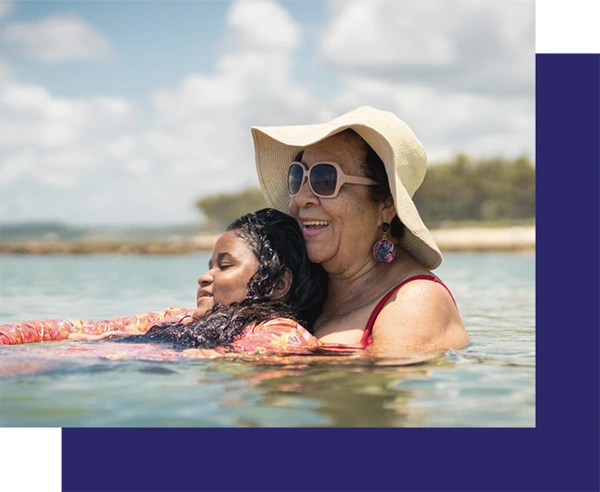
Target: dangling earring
(384,251)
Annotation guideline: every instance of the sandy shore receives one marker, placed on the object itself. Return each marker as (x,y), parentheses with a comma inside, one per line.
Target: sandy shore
(459,239)
(518,238)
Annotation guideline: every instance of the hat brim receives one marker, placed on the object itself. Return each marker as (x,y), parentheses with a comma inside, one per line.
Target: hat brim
(276,147)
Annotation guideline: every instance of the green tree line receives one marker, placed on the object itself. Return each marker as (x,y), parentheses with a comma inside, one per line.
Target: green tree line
(223,208)
(494,189)
(491,190)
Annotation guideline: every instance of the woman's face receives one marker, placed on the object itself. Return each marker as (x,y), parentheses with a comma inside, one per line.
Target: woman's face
(339,232)
(230,267)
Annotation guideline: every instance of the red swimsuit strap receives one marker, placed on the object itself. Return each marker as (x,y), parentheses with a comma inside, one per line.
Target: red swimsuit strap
(367,338)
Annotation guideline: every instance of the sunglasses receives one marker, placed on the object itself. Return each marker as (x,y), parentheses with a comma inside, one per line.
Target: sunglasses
(324,179)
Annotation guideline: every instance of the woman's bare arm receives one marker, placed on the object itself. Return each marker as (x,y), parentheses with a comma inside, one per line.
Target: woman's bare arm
(420,317)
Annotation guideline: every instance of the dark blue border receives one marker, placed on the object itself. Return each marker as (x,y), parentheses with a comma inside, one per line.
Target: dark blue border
(567,270)
(561,453)
(307,460)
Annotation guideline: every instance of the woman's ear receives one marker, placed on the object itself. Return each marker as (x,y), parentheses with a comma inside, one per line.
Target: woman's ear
(284,285)
(388,211)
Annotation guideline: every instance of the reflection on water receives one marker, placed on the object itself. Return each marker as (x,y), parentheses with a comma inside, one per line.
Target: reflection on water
(491,383)
(357,396)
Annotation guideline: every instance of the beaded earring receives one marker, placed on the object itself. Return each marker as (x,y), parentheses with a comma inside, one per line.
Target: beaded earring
(384,251)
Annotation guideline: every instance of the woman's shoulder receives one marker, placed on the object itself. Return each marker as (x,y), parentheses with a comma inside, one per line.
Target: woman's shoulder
(399,280)
(423,282)
(416,291)
(426,311)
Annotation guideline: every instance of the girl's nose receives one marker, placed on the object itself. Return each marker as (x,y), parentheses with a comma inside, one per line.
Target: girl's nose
(205,279)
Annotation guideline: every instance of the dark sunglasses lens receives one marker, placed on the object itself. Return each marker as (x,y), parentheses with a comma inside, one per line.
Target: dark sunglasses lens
(295,175)
(323,179)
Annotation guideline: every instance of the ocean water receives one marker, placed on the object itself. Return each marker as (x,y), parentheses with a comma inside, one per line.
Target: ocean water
(490,383)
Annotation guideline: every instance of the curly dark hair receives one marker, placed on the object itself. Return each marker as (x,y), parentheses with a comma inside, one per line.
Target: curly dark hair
(276,240)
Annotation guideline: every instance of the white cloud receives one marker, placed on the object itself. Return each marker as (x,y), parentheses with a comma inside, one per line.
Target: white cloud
(447,123)
(460,73)
(56,39)
(6,7)
(26,202)
(35,118)
(485,46)
(121,147)
(6,72)
(201,127)
(262,25)
(138,165)
(457,74)
(59,180)
(196,139)
(57,141)
(15,164)
(370,34)
(197,94)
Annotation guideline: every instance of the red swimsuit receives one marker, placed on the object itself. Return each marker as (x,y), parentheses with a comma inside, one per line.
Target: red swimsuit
(367,338)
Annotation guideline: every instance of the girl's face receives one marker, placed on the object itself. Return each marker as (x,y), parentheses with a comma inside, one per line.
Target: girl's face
(230,267)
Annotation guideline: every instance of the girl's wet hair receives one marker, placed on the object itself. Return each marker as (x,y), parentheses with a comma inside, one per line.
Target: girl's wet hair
(276,240)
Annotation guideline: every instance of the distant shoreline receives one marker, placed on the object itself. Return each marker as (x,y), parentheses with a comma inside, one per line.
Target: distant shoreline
(510,239)
(516,238)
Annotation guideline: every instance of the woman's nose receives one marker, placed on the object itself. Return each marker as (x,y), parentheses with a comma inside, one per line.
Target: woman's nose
(305,195)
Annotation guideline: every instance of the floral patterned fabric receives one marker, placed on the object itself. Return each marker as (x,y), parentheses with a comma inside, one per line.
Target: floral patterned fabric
(280,335)
(60,329)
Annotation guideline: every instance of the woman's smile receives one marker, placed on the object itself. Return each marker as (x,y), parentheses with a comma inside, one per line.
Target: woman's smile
(312,228)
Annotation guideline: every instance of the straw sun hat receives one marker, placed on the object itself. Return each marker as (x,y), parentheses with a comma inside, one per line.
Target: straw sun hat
(394,142)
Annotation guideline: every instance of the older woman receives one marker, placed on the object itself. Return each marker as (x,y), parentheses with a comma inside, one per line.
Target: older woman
(349,185)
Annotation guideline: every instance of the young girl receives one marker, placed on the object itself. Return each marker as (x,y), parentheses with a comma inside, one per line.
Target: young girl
(258,292)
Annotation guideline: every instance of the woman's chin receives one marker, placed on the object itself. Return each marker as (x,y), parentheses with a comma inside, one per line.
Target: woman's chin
(317,255)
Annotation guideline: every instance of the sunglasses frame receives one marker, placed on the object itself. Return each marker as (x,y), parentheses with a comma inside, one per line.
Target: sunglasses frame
(342,179)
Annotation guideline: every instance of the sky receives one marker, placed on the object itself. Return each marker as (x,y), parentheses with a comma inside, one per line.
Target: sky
(126,112)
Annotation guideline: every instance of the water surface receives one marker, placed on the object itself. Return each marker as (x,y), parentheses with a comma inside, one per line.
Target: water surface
(491,383)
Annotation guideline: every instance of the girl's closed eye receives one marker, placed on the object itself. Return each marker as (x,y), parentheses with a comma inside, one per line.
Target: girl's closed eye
(233,264)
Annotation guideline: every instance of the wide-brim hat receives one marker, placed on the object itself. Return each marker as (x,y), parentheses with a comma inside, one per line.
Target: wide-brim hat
(394,142)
